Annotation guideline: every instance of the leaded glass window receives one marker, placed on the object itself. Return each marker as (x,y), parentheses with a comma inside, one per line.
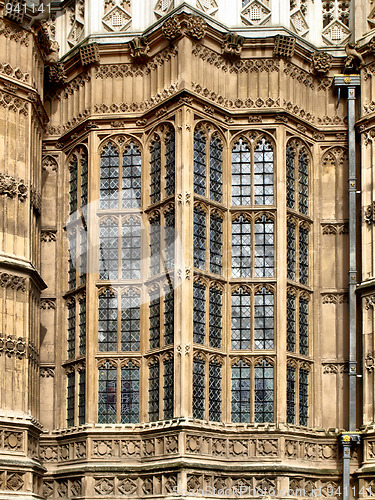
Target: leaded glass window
(109,174)
(153,392)
(199,238)
(73,184)
(84,182)
(199,313)
(263,247)
(215,318)
(131,177)
(241,174)
(130,321)
(70,399)
(216,169)
(263,319)
(107,394)
(290,178)
(131,249)
(240,392)
(216,243)
(198,388)
(199,162)
(154,316)
(303,321)
(155,172)
(241,247)
(72,259)
(170,163)
(214,377)
(290,395)
(82,397)
(303,397)
(71,329)
(83,257)
(82,326)
(107,328)
(169,239)
(168,388)
(130,393)
(155,245)
(263,394)
(303,181)
(290,322)
(263,173)
(303,255)
(108,237)
(291,250)
(241,323)
(168,315)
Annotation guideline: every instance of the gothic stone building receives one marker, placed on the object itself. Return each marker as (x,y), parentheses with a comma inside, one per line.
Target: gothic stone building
(187,249)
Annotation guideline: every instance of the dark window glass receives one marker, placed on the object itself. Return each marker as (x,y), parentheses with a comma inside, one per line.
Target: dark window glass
(70,399)
(240,392)
(290,322)
(155,172)
(241,322)
(168,388)
(303,255)
(131,249)
(82,397)
(290,395)
(214,391)
(263,396)
(83,257)
(241,174)
(198,388)
(129,394)
(107,329)
(215,319)
(303,181)
(73,185)
(71,329)
(199,313)
(169,239)
(303,326)
(131,177)
(72,259)
(241,248)
(109,172)
(291,250)
(108,237)
(199,163)
(170,164)
(168,315)
(216,243)
(199,238)
(263,173)
(84,182)
(153,392)
(130,321)
(303,397)
(82,326)
(263,247)
(107,394)
(155,246)
(290,178)
(154,316)
(263,319)
(216,169)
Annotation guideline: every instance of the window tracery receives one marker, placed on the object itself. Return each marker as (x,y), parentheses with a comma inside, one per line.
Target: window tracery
(153,390)
(207,387)
(297,174)
(298,321)
(208,163)
(129,393)
(107,394)
(82,397)
(70,399)
(298,392)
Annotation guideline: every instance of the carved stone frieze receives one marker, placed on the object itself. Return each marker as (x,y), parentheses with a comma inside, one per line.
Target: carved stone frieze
(104,486)
(13,441)
(11,187)
(16,73)
(48,303)
(71,87)
(369,362)
(335,228)
(335,298)
(299,74)
(48,235)
(339,367)
(47,372)
(10,31)
(196,27)
(13,282)
(15,481)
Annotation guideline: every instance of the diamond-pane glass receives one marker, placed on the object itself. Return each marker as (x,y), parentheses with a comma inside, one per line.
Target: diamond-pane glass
(129,394)
(198,388)
(303,321)
(199,238)
(84,182)
(107,394)
(303,256)
(241,174)
(130,321)
(169,240)
(108,250)
(168,388)
(82,327)
(131,249)
(109,172)
(240,393)
(73,185)
(131,177)
(241,322)
(154,317)
(241,248)
(71,330)
(263,319)
(303,181)
(83,257)
(290,395)
(153,392)
(82,397)
(303,397)
(170,164)
(70,399)
(155,171)
(291,250)
(155,246)
(199,313)
(107,328)
(290,178)
(215,319)
(72,259)
(263,394)
(214,376)
(263,173)
(263,247)
(199,163)
(290,322)
(216,169)
(216,243)
(168,315)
